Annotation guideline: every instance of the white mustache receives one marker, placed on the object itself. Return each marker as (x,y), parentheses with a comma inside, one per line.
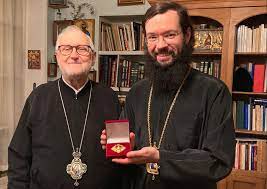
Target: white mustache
(74,63)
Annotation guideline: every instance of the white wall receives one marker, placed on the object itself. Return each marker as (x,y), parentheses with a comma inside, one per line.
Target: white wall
(36,39)
(107,7)
(3,183)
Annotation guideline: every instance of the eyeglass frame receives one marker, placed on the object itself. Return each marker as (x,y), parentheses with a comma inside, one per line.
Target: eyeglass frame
(76,48)
(165,37)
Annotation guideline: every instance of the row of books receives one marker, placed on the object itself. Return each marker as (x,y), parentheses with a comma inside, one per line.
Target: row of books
(116,72)
(251,155)
(258,73)
(211,67)
(251,115)
(252,39)
(122,36)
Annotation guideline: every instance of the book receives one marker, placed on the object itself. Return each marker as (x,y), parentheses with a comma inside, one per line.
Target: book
(259,78)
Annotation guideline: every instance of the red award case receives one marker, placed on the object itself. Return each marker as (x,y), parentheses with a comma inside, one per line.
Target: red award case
(118,139)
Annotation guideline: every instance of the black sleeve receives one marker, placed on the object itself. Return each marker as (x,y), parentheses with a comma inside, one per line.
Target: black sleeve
(117,103)
(127,113)
(214,159)
(19,152)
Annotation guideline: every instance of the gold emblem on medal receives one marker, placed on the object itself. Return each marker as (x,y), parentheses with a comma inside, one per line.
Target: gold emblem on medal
(118,148)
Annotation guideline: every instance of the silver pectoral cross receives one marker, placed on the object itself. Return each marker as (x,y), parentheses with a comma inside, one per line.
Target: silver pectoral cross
(76,168)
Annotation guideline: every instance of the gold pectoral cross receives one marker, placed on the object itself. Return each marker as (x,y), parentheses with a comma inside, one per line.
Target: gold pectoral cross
(153,168)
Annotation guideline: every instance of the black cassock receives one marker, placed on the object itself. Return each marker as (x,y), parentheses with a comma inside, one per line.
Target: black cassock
(41,149)
(198,146)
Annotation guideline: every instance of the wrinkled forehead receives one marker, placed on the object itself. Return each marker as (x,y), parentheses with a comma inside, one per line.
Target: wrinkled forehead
(75,38)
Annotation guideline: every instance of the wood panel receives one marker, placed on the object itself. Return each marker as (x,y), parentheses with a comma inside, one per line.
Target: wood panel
(240,179)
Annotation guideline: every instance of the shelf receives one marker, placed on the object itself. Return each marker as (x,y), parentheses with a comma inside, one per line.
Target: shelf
(206,53)
(58,6)
(209,29)
(249,173)
(128,53)
(122,18)
(264,54)
(255,133)
(240,93)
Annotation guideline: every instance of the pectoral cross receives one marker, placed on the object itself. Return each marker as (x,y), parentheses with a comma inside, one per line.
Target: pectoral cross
(153,168)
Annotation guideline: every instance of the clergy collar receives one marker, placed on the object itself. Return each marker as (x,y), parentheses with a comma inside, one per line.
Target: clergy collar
(75,90)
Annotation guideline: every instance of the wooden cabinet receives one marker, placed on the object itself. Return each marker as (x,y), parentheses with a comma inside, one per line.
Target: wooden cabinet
(246,180)
(231,14)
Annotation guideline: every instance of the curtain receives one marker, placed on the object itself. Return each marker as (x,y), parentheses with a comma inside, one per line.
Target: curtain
(12,48)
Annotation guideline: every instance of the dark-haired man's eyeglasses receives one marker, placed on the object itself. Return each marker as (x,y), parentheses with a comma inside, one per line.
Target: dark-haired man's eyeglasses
(83,50)
(152,38)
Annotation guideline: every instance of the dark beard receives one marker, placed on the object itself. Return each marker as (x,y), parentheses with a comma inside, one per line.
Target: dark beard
(167,79)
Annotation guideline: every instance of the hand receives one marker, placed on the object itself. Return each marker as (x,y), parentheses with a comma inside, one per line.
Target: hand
(103,139)
(145,155)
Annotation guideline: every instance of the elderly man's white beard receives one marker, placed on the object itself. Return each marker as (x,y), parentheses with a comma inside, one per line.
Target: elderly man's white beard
(78,76)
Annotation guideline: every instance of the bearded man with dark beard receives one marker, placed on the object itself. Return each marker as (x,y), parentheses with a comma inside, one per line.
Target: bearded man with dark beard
(167,78)
(182,133)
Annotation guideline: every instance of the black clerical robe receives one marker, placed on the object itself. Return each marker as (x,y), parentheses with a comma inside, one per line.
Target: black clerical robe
(41,149)
(198,146)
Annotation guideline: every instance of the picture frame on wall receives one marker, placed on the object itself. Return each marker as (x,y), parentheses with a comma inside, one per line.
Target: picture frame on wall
(58,26)
(86,25)
(34,59)
(130,2)
(58,2)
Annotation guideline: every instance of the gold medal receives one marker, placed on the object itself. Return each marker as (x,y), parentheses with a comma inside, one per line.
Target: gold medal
(76,169)
(118,148)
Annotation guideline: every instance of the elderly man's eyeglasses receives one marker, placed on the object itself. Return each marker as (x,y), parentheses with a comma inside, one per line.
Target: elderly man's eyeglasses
(83,50)
(168,37)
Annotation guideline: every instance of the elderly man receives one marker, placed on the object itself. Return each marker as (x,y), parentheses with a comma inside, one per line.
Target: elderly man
(181,118)
(55,145)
